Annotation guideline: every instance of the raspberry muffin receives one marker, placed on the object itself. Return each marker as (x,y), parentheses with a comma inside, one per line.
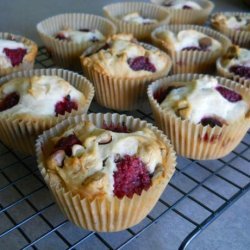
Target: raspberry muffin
(66,36)
(121,69)
(235,64)
(187,12)
(16,53)
(235,25)
(205,117)
(33,101)
(193,49)
(137,18)
(107,161)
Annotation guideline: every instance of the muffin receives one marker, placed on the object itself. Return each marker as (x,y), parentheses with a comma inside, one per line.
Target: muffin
(120,70)
(193,49)
(235,25)
(66,36)
(205,117)
(33,101)
(106,171)
(136,18)
(17,53)
(235,64)
(187,12)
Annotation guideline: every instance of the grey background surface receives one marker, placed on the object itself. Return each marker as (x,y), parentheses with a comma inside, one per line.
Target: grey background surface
(232,229)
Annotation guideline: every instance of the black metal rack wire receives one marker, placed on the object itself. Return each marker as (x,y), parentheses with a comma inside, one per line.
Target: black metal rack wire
(198,193)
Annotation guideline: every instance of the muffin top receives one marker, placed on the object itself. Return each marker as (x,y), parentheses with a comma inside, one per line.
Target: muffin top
(80,36)
(236,61)
(187,40)
(135,17)
(205,101)
(122,56)
(182,4)
(39,97)
(95,162)
(230,21)
(11,53)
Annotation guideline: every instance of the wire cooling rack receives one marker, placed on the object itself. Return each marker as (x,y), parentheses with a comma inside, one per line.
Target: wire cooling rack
(197,194)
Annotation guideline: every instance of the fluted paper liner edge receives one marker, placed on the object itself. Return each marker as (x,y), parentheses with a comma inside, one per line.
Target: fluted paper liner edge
(140,31)
(189,16)
(194,140)
(192,61)
(238,37)
(29,58)
(108,214)
(66,54)
(21,134)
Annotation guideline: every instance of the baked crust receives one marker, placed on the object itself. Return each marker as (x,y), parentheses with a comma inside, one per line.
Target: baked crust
(28,59)
(38,97)
(114,61)
(86,173)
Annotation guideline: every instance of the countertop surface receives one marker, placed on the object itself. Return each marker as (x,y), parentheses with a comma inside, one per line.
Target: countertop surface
(230,231)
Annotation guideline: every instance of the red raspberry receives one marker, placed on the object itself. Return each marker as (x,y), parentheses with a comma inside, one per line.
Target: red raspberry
(9,101)
(66,144)
(65,106)
(239,70)
(193,48)
(116,128)
(229,94)
(161,93)
(131,177)
(15,55)
(62,37)
(211,121)
(186,7)
(141,63)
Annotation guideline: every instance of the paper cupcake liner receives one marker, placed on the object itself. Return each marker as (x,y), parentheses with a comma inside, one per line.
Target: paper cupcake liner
(184,16)
(64,53)
(29,58)
(238,37)
(192,61)
(194,140)
(224,73)
(107,214)
(120,93)
(139,31)
(20,134)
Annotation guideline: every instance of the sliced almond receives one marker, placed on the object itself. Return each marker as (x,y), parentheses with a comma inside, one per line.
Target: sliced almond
(205,42)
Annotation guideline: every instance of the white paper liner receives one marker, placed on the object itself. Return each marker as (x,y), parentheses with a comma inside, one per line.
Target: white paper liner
(140,31)
(121,93)
(194,140)
(238,37)
(187,16)
(66,53)
(192,61)
(107,214)
(20,134)
(29,58)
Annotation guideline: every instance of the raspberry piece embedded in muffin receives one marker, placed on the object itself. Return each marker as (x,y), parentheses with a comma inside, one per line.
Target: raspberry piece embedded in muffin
(239,70)
(211,121)
(131,177)
(9,101)
(186,7)
(65,106)
(229,94)
(66,144)
(15,55)
(116,128)
(141,63)
(161,93)
(62,37)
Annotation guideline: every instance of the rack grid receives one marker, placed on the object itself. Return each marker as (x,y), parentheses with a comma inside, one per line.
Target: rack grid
(198,193)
